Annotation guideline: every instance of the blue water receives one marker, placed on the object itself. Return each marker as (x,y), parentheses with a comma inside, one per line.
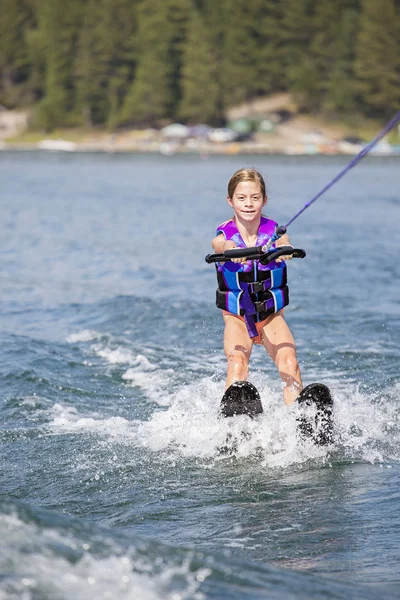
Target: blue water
(113,483)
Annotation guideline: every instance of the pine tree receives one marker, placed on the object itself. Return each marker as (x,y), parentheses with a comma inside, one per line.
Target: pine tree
(105,59)
(59,24)
(155,92)
(200,90)
(295,33)
(36,40)
(271,73)
(214,18)
(342,89)
(91,69)
(377,63)
(323,47)
(241,46)
(178,17)
(149,97)
(15,18)
(121,23)
(324,63)
(142,61)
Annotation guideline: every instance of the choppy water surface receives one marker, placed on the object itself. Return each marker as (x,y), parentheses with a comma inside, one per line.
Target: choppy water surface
(113,483)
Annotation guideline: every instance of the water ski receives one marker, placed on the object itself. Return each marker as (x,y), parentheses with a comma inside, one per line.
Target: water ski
(241,398)
(320,426)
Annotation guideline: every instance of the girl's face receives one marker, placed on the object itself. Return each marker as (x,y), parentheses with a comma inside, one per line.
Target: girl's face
(247,201)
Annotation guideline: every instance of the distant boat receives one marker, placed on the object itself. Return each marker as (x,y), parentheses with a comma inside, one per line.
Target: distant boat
(222,135)
(175,131)
(58,145)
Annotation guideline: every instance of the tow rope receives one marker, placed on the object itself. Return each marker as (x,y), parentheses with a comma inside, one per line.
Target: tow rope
(280,230)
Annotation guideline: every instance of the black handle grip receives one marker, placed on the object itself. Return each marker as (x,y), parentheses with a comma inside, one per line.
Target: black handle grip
(250,253)
(272,255)
(256,253)
(213,258)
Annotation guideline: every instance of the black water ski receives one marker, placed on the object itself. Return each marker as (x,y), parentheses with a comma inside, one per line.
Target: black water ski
(320,427)
(241,398)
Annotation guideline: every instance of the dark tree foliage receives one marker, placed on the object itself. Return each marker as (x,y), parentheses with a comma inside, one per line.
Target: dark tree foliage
(155,91)
(144,62)
(377,63)
(200,89)
(16,18)
(58,29)
(105,60)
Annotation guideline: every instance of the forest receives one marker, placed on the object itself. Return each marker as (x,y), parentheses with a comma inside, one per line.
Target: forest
(138,63)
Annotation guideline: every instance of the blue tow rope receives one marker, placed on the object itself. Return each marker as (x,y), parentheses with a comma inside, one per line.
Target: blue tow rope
(282,229)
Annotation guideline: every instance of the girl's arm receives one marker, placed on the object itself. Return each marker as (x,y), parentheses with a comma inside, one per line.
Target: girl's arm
(220,244)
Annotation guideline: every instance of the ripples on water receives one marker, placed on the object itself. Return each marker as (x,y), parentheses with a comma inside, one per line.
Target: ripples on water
(118,478)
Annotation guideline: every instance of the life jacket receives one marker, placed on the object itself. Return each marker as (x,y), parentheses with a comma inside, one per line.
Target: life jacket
(252,290)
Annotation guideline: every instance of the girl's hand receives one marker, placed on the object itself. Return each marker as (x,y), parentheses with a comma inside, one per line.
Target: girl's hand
(229,245)
(284,240)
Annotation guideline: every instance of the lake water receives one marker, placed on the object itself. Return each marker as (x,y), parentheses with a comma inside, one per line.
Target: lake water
(113,484)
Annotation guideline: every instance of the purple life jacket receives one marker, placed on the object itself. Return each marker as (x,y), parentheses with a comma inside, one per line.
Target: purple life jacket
(252,290)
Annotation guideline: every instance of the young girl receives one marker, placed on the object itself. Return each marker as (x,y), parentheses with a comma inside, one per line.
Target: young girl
(241,281)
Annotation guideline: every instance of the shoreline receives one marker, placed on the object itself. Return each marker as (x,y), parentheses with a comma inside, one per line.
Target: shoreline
(300,135)
(203,150)
(295,134)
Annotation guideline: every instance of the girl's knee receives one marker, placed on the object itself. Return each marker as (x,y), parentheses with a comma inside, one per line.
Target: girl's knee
(287,362)
(238,357)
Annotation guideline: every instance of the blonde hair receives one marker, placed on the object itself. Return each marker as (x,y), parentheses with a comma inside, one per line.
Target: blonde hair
(246,175)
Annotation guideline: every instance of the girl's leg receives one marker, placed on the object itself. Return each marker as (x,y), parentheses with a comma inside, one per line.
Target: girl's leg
(237,346)
(279,343)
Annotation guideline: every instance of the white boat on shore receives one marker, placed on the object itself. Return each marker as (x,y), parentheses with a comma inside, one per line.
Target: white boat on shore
(57,145)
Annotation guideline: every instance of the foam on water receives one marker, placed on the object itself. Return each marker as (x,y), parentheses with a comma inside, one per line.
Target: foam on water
(87,335)
(67,419)
(48,563)
(154,382)
(44,554)
(153,378)
(366,425)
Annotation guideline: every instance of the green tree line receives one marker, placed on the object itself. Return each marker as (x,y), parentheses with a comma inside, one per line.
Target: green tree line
(142,62)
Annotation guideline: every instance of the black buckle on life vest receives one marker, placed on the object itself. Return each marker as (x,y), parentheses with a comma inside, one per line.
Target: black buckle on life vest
(256,287)
(260,306)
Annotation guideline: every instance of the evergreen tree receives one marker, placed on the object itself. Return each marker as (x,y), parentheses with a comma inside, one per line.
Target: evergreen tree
(327,57)
(214,19)
(295,34)
(105,59)
(342,88)
(37,48)
(149,97)
(121,23)
(377,62)
(271,53)
(178,17)
(306,86)
(59,23)
(15,17)
(200,90)
(241,47)
(142,61)
(91,68)
(155,91)
(323,47)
